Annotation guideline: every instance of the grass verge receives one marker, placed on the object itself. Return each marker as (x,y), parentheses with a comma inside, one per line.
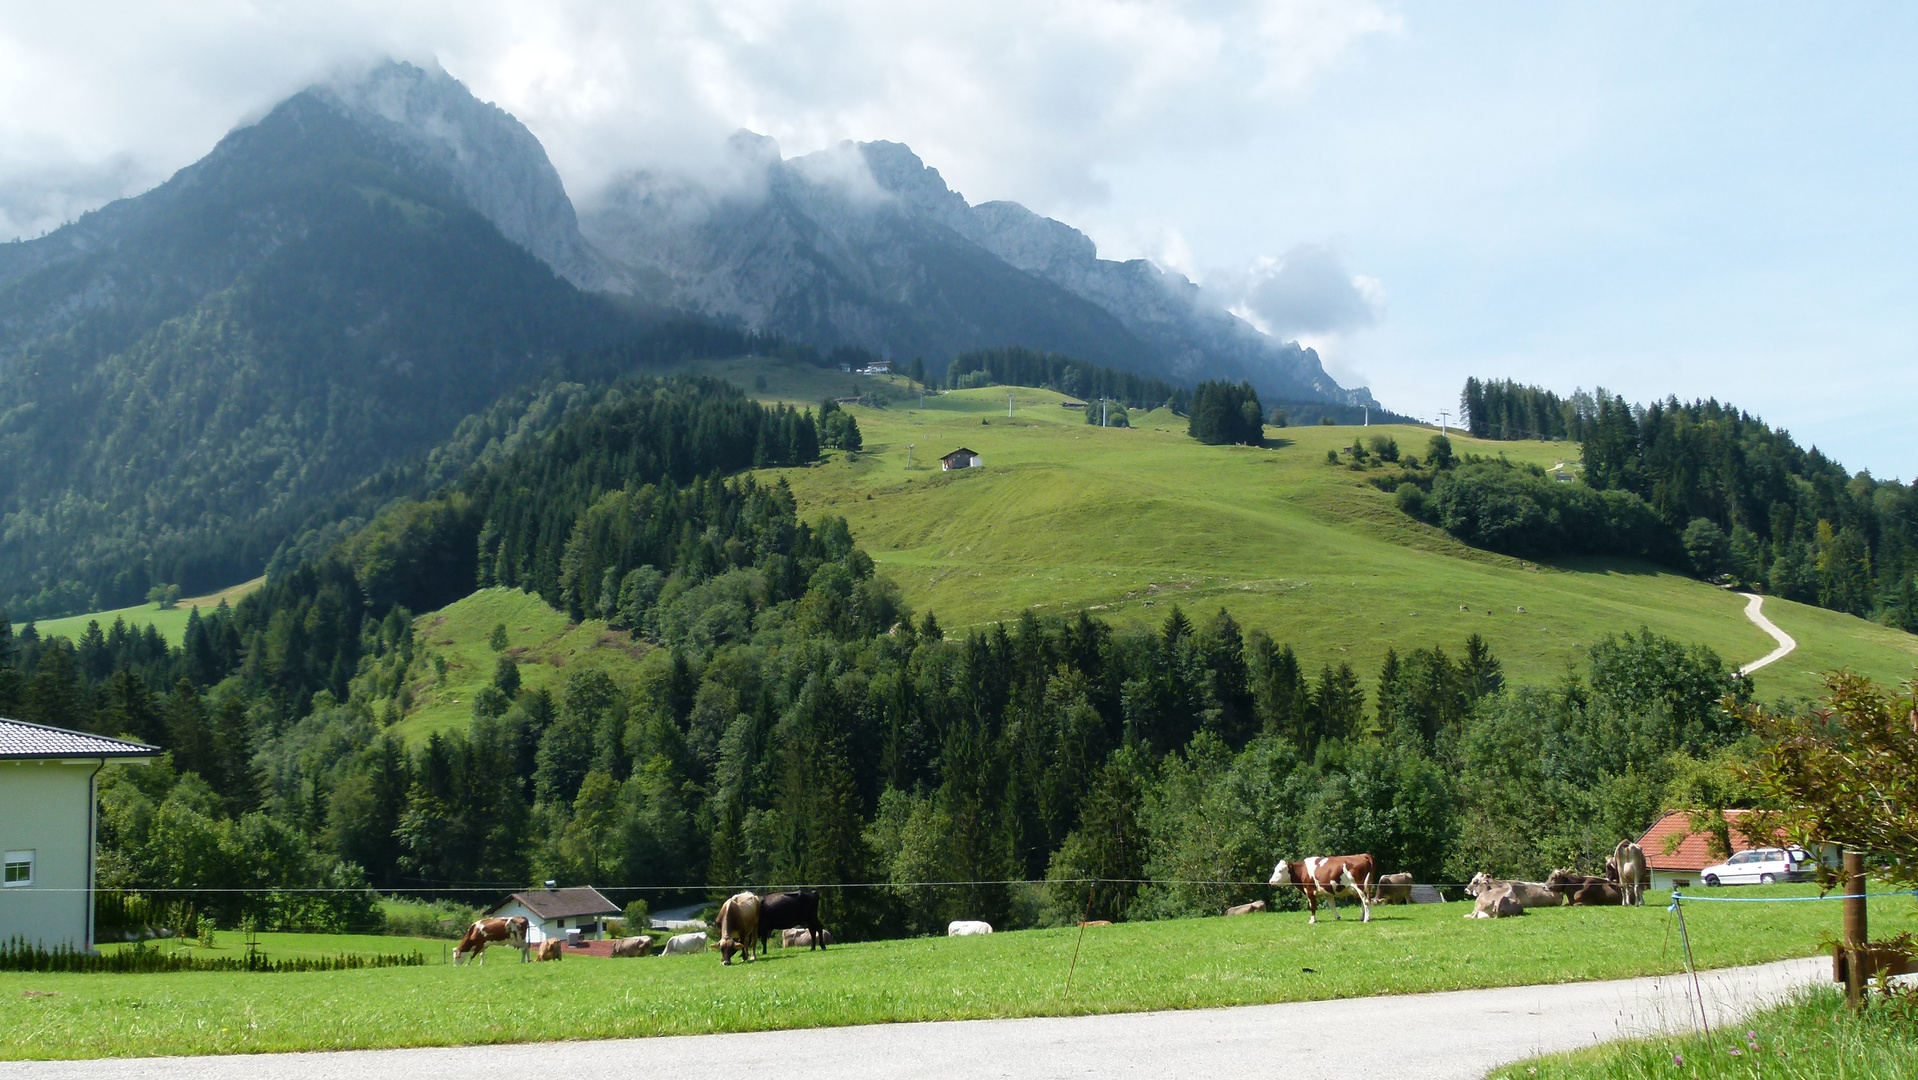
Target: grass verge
(1812,1037)
(1195,963)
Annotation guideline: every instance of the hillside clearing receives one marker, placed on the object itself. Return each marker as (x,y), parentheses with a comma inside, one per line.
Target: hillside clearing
(1065,517)
(1191,963)
(170,622)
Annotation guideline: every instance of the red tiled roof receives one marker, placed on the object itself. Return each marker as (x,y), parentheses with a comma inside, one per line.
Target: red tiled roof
(1691,853)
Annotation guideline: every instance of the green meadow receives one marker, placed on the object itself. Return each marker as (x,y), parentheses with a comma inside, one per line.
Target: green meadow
(170,622)
(1191,963)
(1125,523)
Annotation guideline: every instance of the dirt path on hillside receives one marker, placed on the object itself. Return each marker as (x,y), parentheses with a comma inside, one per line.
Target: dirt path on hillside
(1458,1035)
(1754,611)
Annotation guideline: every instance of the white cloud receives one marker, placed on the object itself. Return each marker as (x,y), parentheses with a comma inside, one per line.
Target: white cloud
(1023,100)
(1307,294)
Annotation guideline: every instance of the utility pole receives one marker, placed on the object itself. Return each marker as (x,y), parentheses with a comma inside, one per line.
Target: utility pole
(1368,416)
(1442,416)
(908,455)
(1102,412)
(1008,404)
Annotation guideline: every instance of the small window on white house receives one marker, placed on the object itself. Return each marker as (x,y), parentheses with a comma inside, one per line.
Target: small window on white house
(19,869)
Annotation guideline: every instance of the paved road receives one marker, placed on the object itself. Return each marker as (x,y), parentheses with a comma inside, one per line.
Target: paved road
(1754,611)
(1442,1036)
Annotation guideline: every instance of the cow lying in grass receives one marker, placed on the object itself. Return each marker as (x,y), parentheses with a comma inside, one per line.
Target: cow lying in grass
(1497,899)
(798,937)
(1583,890)
(509,932)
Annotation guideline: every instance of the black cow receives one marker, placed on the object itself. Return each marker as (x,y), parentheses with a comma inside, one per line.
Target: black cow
(786,910)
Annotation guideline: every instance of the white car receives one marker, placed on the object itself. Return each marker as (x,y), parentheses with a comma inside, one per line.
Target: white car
(1759,866)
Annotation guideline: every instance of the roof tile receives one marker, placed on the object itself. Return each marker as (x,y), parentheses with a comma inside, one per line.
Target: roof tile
(20,740)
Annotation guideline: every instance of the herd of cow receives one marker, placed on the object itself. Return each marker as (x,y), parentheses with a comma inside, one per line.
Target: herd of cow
(1627,876)
(747,920)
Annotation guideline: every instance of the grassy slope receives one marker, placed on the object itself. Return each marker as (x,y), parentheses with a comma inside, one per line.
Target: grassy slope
(1811,1037)
(171,623)
(1065,516)
(548,646)
(1124,968)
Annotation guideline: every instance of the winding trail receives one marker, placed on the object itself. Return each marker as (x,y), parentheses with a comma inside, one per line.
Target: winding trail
(1757,616)
(1448,1036)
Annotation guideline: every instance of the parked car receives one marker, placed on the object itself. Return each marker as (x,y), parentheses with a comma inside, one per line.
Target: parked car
(1760,866)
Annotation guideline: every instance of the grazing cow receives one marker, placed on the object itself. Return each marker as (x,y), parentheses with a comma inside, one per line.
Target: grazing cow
(1529,894)
(551,949)
(786,910)
(632,946)
(509,932)
(1393,889)
(967,928)
(685,944)
(1627,867)
(1334,875)
(738,927)
(1246,909)
(799,937)
(1097,922)
(1496,902)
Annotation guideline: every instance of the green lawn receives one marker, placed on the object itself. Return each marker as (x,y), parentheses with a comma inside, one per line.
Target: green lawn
(547,646)
(1812,1037)
(1125,523)
(1130,967)
(171,622)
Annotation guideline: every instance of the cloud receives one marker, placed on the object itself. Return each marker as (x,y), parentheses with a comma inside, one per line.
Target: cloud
(1023,99)
(1309,293)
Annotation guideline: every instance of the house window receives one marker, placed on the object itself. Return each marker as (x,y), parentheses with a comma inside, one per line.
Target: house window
(19,868)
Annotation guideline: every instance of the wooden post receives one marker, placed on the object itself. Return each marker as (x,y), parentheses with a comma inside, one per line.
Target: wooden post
(1855,935)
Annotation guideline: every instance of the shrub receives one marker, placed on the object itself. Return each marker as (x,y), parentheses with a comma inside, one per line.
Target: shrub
(425,918)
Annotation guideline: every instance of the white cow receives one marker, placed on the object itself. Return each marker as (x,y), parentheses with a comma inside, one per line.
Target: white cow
(967,928)
(684,944)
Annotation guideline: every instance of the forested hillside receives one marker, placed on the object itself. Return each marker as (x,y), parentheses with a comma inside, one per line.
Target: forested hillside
(793,721)
(1700,486)
(183,371)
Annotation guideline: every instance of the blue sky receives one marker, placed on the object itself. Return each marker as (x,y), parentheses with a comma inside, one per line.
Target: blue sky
(1658,199)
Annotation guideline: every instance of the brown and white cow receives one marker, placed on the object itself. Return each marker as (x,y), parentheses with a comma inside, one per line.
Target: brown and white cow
(509,932)
(1334,875)
(1393,889)
(738,927)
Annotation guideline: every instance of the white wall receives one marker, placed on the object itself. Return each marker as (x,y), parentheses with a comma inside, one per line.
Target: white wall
(44,809)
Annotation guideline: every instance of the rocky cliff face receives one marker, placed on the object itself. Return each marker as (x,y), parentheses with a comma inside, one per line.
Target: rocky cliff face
(865,245)
(492,160)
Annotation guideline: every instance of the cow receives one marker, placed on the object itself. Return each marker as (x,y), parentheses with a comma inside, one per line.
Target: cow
(509,932)
(1627,867)
(1496,902)
(1529,894)
(1583,890)
(967,928)
(685,944)
(1335,875)
(1097,922)
(551,949)
(738,927)
(1245,909)
(799,937)
(632,946)
(1393,889)
(786,910)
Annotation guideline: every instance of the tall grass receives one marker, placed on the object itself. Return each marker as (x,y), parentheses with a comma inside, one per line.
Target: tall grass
(1813,1036)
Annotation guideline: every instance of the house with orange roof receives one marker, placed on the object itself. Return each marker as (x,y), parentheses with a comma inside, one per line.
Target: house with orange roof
(1693,853)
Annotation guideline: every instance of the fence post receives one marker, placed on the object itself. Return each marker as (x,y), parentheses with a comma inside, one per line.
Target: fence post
(1855,935)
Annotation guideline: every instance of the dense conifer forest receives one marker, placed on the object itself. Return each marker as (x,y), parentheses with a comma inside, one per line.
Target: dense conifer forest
(1703,487)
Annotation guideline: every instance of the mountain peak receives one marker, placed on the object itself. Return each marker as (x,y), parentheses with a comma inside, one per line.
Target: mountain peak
(491,158)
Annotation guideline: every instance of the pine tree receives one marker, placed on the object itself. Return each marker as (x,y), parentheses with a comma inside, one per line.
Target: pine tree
(189,735)
(54,696)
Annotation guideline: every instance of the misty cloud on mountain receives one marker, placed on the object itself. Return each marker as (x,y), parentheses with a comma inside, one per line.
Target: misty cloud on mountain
(1308,292)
